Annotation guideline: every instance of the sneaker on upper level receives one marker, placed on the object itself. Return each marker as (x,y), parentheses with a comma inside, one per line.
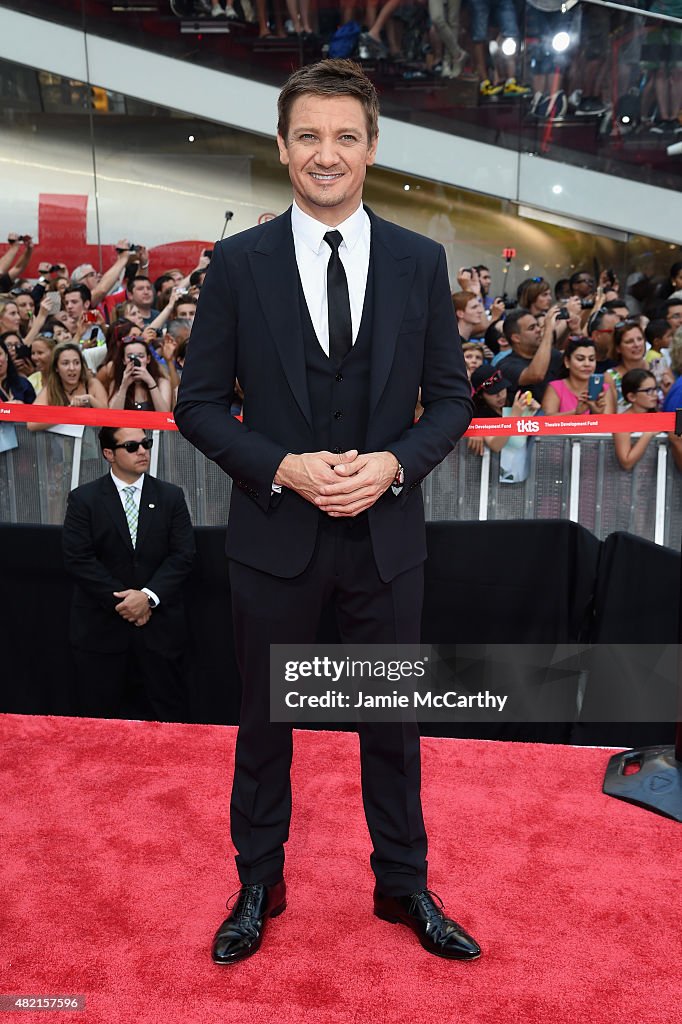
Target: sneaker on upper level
(513,89)
(591,105)
(486,88)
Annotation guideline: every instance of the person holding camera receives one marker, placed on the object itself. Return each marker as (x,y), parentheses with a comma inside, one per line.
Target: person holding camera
(13,387)
(533,361)
(11,267)
(19,352)
(138,382)
(580,390)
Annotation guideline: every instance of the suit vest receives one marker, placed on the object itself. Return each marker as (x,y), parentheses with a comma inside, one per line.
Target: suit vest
(339,395)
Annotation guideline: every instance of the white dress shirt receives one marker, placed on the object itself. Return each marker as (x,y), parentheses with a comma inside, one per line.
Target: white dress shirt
(312,257)
(137,498)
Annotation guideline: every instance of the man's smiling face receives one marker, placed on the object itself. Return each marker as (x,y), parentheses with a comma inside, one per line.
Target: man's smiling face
(327,152)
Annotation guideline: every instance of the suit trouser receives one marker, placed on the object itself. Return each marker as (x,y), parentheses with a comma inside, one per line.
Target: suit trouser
(270,610)
(102,678)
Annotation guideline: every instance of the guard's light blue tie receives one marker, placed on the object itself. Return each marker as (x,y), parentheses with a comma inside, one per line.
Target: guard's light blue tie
(130,509)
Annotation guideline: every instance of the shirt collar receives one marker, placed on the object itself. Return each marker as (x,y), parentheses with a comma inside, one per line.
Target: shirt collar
(121,484)
(311,232)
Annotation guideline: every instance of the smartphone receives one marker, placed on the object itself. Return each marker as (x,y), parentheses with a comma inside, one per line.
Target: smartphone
(595,386)
(54,302)
(91,316)
(23,352)
(135,360)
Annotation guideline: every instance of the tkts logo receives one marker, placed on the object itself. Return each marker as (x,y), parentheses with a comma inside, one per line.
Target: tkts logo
(527,426)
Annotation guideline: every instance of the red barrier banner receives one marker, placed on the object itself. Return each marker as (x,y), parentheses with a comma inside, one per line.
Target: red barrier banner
(508,426)
(544,426)
(18,413)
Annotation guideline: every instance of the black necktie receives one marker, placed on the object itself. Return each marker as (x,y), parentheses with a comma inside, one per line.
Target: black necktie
(338,302)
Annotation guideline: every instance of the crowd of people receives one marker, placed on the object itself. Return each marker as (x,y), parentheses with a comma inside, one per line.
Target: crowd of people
(577,349)
(589,61)
(119,340)
(92,340)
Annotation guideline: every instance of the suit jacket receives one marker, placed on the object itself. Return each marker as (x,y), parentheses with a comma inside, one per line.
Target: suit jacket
(99,555)
(248,325)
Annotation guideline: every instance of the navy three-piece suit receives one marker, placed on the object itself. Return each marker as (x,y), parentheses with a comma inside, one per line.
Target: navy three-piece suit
(287,557)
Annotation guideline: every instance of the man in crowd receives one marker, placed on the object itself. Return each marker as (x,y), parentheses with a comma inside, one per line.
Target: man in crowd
(101,284)
(471,318)
(533,360)
(26,306)
(141,291)
(129,546)
(583,285)
(600,328)
(673,313)
(163,289)
(86,327)
(485,281)
(332,319)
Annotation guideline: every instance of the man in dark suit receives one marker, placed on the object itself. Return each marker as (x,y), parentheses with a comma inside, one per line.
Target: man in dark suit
(331,319)
(129,545)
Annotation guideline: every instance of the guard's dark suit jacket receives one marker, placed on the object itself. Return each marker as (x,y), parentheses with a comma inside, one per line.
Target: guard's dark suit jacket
(248,326)
(99,555)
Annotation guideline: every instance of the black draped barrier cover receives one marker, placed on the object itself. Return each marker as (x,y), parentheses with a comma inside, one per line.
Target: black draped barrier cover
(509,583)
(636,601)
(529,582)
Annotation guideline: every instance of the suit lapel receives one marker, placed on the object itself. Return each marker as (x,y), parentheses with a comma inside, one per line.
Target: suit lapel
(393,271)
(114,507)
(273,265)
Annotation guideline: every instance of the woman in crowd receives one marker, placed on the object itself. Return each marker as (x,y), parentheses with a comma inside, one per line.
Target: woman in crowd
(536,297)
(119,331)
(138,382)
(641,393)
(69,382)
(131,313)
(41,357)
(673,394)
(15,343)
(10,319)
(629,348)
(13,387)
(490,392)
(570,393)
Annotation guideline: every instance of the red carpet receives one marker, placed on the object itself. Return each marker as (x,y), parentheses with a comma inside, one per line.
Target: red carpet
(115,876)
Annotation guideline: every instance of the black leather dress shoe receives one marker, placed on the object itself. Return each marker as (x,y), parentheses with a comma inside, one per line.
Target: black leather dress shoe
(436,932)
(241,934)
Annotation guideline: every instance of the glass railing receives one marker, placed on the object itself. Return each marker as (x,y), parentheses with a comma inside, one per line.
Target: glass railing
(595,86)
(574,478)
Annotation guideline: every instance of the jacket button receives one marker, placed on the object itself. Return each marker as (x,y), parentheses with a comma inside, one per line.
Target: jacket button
(339,377)
(338,414)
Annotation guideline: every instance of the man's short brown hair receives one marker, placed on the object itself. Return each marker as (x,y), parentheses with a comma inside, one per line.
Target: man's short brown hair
(330,78)
(461,300)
